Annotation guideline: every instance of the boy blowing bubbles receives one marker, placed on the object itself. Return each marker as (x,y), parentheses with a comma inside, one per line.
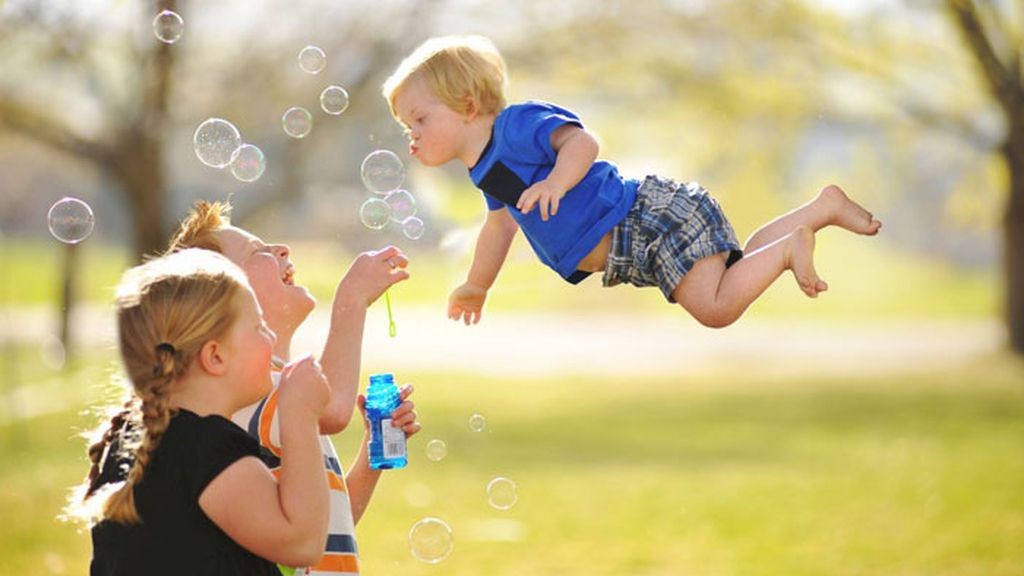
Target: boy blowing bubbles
(537,167)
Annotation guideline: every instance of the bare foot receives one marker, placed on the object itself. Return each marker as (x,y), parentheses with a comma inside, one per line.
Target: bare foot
(846,213)
(799,258)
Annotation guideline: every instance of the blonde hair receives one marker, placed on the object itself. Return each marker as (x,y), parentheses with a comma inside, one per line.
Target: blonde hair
(167,309)
(460,70)
(198,229)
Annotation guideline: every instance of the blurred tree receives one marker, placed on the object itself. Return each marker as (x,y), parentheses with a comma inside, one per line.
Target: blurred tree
(989,33)
(126,140)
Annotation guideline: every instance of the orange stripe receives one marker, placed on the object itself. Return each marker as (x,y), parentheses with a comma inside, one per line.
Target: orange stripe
(335,483)
(337,563)
(266,419)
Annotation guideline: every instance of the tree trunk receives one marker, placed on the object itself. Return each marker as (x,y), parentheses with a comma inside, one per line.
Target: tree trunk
(140,172)
(1013,239)
(69,277)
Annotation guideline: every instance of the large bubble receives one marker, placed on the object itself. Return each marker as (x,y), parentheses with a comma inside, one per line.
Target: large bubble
(168,26)
(249,164)
(334,100)
(312,59)
(216,142)
(375,213)
(297,122)
(70,220)
(431,540)
(382,171)
(501,493)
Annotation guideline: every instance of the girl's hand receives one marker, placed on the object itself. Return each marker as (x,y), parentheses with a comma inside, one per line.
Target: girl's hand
(371,273)
(467,302)
(403,417)
(544,194)
(304,388)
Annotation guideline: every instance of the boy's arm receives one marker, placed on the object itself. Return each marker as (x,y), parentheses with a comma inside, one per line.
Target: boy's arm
(492,246)
(361,479)
(369,276)
(576,151)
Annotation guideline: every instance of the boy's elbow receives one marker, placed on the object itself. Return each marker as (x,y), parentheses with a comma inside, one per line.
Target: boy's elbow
(335,419)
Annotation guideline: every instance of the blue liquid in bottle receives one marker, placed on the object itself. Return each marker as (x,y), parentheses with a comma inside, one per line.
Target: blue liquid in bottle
(387,443)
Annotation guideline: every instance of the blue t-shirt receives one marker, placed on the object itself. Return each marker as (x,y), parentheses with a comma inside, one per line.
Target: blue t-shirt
(520,155)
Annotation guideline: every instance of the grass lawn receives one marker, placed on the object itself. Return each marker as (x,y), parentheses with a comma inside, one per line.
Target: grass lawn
(723,473)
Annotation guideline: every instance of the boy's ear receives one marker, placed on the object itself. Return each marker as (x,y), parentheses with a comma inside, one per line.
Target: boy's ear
(211,359)
(471,108)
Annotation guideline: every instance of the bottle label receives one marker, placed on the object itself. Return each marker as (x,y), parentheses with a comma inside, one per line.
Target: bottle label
(394,439)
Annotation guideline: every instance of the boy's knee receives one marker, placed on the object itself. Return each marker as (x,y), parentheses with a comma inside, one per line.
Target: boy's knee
(715,318)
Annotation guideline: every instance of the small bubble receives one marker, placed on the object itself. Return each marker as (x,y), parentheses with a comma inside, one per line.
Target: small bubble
(70,220)
(168,26)
(436,450)
(382,171)
(431,540)
(501,493)
(249,164)
(216,142)
(402,203)
(334,100)
(375,213)
(312,60)
(297,122)
(413,228)
(477,422)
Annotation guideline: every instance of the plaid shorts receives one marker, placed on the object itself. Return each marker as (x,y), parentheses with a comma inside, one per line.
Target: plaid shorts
(670,227)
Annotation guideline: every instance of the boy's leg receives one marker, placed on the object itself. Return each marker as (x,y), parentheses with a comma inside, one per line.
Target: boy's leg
(831,206)
(717,296)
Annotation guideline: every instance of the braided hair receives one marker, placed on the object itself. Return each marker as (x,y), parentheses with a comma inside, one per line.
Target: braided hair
(167,309)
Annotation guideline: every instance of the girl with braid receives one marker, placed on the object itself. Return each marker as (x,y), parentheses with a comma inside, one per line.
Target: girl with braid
(197,499)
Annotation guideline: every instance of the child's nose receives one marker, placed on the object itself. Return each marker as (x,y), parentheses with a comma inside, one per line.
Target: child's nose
(281,251)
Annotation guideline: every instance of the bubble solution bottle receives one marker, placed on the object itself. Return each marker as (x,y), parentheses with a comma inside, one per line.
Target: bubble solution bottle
(387,443)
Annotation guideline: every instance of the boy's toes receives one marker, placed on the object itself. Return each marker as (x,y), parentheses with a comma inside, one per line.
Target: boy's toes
(874,226)
(807,286)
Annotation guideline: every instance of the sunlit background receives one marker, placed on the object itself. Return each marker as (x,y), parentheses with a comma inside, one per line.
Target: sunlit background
(876,430)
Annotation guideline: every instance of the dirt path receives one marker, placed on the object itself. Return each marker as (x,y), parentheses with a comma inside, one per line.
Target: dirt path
(543,345)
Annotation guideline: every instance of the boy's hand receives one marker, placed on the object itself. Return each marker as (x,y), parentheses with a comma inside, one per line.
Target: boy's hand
(466,302)
(403,417)
(544,194)
(371,273)
(304,388)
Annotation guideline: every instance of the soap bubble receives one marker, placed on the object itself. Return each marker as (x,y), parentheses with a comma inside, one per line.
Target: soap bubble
(216,142)
(402,204)
(297,122)
(70,220)
(168,26)
(436,450)
(375,213)
(249,164)
(312,60)
(334,100)
(382,171)
(431,540)
(477,422)
(413,228)
(501,493)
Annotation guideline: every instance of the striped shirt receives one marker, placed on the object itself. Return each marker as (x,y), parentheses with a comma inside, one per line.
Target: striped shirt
(341,557)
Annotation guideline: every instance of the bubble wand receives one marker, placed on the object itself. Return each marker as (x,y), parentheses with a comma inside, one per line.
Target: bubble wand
(392,329)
